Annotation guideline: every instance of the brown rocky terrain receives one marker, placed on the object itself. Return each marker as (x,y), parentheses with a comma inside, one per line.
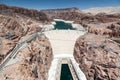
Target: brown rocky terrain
(107,10)
(98,57)
(34,14)
(16,23)
(73,14)
(5,47)
(111,30)
(33,62)
(98,24)
(99,29)
(53,13)
(12,30)
(80,17)
(115,30)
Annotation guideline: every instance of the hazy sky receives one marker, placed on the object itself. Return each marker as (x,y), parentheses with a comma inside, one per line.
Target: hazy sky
(46,4)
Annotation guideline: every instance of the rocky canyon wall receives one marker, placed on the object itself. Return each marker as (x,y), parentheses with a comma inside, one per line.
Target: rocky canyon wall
(12,29)
(98,57)
(33,62)
(106,29)
(34,14)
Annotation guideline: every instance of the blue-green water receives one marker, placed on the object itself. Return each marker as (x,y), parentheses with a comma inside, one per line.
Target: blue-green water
(65,73)
(62,25)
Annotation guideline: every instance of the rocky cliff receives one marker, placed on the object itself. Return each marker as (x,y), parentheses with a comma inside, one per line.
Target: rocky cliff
(35,14)
(53,13)
(17,23)
(80,17)
(33,62)
(98,57)
(73,14)
(108,10)
(115,28)
(12,29)
(111,30)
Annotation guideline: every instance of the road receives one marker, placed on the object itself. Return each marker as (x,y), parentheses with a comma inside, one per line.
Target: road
(14,52)
(62,42)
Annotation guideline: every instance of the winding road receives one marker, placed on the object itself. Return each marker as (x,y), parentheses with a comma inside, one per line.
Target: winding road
(14,52)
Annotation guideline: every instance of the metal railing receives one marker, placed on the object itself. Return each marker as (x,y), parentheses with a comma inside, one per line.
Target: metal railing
(14,52)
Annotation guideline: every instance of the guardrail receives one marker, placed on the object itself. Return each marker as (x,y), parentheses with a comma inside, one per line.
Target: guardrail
(114,41)
(18,46)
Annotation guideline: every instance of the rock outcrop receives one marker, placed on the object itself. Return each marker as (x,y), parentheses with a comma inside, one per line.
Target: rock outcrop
(115,28)
(106,18)
(12,29)
(34,14)
(98,57)
(107,10)
(74,14)
(33,62)
(17,23)
(17,26)
(111,30)
(99,29)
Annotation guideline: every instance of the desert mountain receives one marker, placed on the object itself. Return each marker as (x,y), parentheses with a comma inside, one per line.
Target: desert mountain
(107,10)
(15,23)
(78,16)
(98,57)
(34,14)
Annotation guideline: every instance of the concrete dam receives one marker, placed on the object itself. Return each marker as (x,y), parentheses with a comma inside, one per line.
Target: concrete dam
(62,38)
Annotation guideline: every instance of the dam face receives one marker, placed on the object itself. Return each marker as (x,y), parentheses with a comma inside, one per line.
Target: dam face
(63,37)
(62,41)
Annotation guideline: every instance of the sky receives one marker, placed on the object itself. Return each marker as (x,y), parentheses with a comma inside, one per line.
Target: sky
(52,4)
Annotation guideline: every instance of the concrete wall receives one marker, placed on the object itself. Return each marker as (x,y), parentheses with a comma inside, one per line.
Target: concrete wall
(62,41)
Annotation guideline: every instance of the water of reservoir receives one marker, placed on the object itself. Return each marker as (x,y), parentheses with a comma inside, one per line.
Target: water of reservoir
(65,73)
(62,25)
